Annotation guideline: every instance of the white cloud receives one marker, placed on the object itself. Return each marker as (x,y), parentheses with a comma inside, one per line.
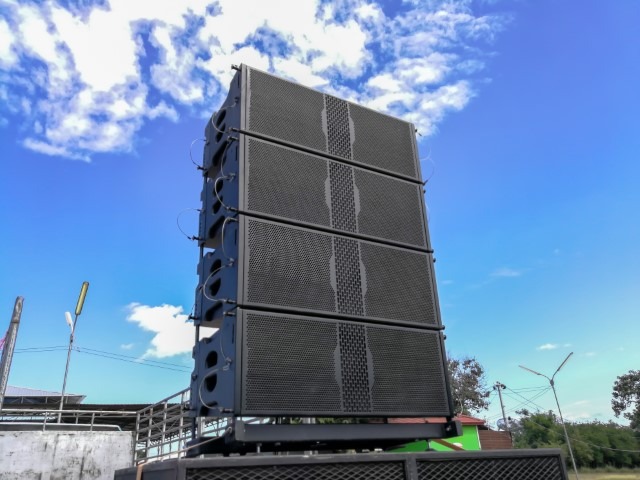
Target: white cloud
(548,346)
(127,346)
(172,334)
(7,39)
(506,272)
(99,72)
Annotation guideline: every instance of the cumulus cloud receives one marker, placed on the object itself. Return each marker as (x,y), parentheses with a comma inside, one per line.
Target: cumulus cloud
(172,334)
(548,346)
(85,78)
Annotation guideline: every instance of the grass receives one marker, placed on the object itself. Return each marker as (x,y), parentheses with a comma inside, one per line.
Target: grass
(621,475)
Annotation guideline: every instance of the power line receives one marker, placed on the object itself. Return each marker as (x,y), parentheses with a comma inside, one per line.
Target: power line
(512,409)
(134,358)
(530,401)
(111,355)
(182,370)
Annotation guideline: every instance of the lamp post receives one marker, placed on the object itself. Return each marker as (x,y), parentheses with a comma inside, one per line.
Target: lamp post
(564,427)
(78,311)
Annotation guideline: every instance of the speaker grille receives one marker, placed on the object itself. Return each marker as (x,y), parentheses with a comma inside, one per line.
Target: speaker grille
(382,141)
(342,471)
(291,184)
(408,371)
(292,113)
(296,364)
(338,131)
(343,207)
(349,280)
(286,183)
(390,209)
(285,110)
(315,271)
(398,284)
(533,468)
(353,368)
(289,267)
(290,365)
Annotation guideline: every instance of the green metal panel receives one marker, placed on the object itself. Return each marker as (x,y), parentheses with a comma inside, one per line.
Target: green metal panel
(469,441)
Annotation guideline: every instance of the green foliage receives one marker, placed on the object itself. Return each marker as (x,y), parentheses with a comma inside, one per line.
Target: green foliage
(594,444)
(626,398)
(468,385)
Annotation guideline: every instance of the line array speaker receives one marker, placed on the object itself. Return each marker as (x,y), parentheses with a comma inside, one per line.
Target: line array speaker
(316,263)
(257,177)
(285,112)
(265,363)
(274,266)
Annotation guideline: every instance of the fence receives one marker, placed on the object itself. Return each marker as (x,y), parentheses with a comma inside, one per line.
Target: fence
(48,419)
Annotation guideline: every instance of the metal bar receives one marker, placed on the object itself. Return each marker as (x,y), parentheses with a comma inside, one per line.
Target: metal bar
(164,426)
(9,344)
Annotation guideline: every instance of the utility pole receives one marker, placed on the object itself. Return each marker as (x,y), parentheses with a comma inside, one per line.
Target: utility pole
(499,387)
(564,427)
(83,294)
(7,350)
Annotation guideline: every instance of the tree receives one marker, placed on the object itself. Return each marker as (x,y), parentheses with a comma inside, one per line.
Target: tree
(594,444)
(468,385)
(626,398)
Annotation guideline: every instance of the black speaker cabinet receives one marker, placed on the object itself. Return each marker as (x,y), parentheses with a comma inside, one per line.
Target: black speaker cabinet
(316,263)
(284,112)
(271,364)
(273,266)
(519,464)
(273,181)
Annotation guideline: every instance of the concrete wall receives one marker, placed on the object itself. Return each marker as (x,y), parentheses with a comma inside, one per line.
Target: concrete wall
(63,455)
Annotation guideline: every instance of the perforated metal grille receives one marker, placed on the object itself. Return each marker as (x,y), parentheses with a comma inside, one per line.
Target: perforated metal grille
(338,131)
(308,471)
(286,183)
(348,278)
(383,141)
(289,267)
(398,284)
(343,207)
(390,208)
(533,468)
(290,365)
(285,110)
(354,368)
(408,371)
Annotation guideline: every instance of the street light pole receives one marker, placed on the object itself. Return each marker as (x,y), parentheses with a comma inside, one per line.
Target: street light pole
(78,311)
(564,427)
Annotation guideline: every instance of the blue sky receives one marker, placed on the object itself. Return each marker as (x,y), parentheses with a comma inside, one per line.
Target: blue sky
(530,133)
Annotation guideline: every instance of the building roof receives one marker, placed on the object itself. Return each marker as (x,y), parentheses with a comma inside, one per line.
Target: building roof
(464,420)
(24,395)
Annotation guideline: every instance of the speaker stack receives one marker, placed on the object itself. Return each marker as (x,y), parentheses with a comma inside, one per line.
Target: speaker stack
(317,270)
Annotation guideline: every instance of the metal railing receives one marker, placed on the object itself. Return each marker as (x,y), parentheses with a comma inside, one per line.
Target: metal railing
(47,419)
(164,428)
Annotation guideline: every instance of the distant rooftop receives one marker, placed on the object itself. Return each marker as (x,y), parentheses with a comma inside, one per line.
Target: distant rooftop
(32,396)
